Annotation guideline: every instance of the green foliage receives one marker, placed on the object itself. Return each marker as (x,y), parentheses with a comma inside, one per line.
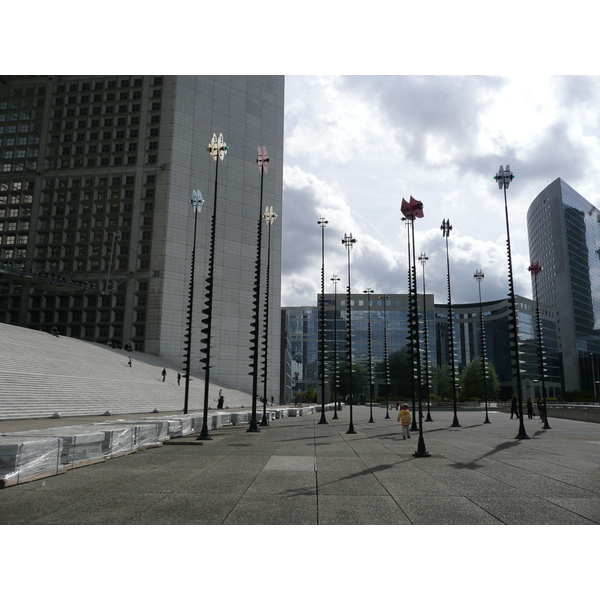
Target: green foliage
(442,381)
(472,384)
(400,371)
(310,395)
(360,379)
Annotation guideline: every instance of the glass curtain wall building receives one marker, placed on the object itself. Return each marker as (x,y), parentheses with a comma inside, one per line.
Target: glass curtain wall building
(303,332)
(564,237)
(304,327)
(495,318)
(96,227)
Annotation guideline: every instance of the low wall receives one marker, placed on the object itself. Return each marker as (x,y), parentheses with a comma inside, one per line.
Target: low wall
(575,412)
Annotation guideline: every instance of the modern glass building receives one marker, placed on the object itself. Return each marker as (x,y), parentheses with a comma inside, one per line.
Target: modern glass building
(96,227)
(304,327)
(564,237)
(467,339)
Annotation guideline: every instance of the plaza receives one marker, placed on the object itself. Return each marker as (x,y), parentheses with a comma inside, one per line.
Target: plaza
(299,472)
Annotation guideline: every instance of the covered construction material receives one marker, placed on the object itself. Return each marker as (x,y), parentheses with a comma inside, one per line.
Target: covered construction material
(25,458)
(79,447)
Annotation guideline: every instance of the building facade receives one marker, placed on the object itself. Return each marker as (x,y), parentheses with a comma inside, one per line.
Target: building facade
(467,340)
(95,184)
(564,237)
(303,338)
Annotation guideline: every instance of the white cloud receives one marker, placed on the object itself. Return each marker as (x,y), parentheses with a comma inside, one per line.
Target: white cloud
(355,146)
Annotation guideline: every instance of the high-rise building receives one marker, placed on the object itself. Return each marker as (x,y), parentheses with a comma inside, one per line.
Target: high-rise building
(467,341)
(96,226)
(564,237)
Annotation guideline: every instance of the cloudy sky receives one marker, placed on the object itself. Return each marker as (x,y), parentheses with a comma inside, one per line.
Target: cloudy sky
(356,145)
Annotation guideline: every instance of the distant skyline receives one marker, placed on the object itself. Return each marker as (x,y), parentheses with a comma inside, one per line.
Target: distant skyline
(356,145)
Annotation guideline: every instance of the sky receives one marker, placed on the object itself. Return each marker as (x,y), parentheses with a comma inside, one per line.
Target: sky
(356,145)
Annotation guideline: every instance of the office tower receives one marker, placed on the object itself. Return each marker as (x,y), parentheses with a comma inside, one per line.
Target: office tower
(564,237)
(303,332)
(467,341)
(96,225)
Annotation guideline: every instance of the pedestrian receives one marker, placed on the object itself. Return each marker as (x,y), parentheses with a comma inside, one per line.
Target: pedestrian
(129,363)
(164,373)
(540,404)
(529,408)
(54,331)
(541,407)
(514,409)
(178,378)
(272,400)
(405,419)
(221,400)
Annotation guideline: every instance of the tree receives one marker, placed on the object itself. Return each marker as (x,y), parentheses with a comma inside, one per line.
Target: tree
(360,379)
(442,381)
(472,384)
(400,370)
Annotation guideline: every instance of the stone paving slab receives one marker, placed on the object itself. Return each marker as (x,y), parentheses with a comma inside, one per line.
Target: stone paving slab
(298,471)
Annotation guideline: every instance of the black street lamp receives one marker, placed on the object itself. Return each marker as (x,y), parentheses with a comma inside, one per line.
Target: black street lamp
(335,280)
(503,178)
(386,363)
(446,229)
(479,275)
(424,258)
(536,269)
(349,241)
(196,201)
(217,150)
(411,211)
(369,291)
(270,215)
(322,224)
(263,167)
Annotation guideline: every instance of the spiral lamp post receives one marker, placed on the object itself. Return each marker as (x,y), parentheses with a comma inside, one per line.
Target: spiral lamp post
(503,179)
(335,280)
(369,291)
(196,201)
(385,358)
(269,215)
(262,161)
(217,150)
(536,269)
(322,224)
(479,275)
(349,241)
(446,228)
(424,258)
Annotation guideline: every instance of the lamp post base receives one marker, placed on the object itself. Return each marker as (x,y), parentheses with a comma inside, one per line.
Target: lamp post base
(204,435)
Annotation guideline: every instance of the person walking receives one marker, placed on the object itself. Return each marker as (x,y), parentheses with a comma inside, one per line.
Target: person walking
(221,400)
(405,419)
(178,378)
(164,373)
(129,363)
(529,408)
(514,410)
(540,404)
(541,407)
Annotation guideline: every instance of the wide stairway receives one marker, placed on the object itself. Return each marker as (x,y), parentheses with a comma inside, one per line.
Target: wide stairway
(42,375)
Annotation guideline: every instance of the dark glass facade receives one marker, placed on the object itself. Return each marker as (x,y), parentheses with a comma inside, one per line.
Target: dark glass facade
(564,237)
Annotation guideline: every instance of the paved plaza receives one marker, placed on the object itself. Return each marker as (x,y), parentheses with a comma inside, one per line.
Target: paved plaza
(297,471)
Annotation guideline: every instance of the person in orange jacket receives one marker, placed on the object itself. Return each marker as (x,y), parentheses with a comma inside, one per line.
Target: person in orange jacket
(405,418)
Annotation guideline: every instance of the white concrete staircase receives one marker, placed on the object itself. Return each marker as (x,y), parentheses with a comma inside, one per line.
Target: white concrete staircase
(41,375)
